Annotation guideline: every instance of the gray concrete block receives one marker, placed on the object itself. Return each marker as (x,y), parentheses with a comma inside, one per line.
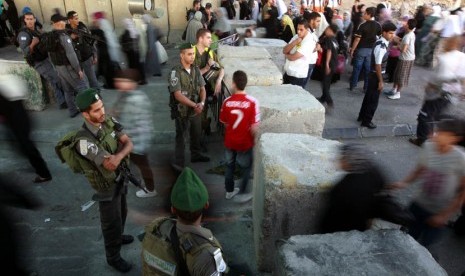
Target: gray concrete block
(288,109)
(261,72)
(273,46)
(243,52)
(292,174)
(241,23)
(384,252)
(31,80)
(265,42)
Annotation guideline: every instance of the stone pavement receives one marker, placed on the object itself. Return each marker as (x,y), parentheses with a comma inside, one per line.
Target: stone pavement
(62,240)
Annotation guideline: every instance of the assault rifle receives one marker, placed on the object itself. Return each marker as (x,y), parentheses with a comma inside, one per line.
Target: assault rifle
(125,174)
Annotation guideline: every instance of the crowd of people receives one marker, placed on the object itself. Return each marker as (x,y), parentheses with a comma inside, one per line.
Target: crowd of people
(319,42)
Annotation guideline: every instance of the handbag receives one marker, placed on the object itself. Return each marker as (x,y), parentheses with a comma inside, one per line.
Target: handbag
(341,63)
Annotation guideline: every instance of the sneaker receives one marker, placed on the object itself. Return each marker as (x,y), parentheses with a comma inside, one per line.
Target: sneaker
(121,265)
(243,198)
(230,195)
(389,92)
(142,193)
(200,158)
(396,96)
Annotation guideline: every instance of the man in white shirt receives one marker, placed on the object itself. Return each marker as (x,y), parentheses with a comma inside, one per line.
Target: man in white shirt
(314,20)
(297,54)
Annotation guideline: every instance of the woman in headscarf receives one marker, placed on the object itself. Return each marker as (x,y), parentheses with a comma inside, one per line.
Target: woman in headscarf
(432,15)
(193,26)
(222,27)
(152,60)
(352,201)
(130,40)
(288,28)
(347,26)
(108,48)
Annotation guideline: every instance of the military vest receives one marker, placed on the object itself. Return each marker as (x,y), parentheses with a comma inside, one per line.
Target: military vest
(385,57)
(56,50)
(158,257)
(211,75)
(189,88)
(39,54)
(82,44)
(100,179)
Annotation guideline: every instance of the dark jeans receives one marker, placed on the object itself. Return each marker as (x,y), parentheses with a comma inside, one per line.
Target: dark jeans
(112,219)
(429,113)
(191,126)
(18,121)
(362,59)
(370,101)
(244,159)
(142,162)
(309,74)
(293,80)
(325,87)
(421,231)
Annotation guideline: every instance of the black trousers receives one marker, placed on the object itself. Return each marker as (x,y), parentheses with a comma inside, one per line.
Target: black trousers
(293,80)
(370,101)
(325,87)
(429,113)
(18,121)
(112,219)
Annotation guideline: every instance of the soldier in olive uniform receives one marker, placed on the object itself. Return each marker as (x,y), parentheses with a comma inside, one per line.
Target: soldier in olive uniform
(183,246)
(102,146)
(213,73)
(187,92)
(66,63)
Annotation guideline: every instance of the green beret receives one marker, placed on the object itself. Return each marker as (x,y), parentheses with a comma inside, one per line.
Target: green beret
(86,97)
(186,46)
(189,194)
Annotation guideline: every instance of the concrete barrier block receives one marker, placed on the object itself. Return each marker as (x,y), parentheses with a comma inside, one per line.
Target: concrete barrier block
(243,52)
(259,72)
(241,23)
(273,46)
(292,174)
(36,97)
(288,109)
(384,252)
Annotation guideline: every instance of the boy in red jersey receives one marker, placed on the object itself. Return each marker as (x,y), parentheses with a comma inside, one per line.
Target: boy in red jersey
(240,114)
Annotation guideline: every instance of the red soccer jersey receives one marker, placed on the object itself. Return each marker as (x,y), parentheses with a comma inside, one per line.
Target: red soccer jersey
(239,112)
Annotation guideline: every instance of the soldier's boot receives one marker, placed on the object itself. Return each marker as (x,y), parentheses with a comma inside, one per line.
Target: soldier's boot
(121,265)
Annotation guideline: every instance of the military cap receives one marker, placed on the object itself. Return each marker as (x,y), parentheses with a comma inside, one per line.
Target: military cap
(57,18)
(189,194)
(86,97)
(185,46)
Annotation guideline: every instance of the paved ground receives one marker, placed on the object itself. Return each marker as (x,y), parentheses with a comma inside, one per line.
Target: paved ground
(62,240)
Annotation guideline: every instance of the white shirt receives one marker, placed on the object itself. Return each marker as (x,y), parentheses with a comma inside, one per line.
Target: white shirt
(408,39)
(451,66)
(313,42)
(299,68)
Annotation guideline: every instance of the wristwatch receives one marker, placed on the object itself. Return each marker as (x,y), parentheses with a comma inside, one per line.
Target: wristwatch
(202,103)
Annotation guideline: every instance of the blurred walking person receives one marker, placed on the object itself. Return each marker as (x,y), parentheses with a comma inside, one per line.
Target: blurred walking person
(12,94)
(130,41)
(152,60)
(108,48)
